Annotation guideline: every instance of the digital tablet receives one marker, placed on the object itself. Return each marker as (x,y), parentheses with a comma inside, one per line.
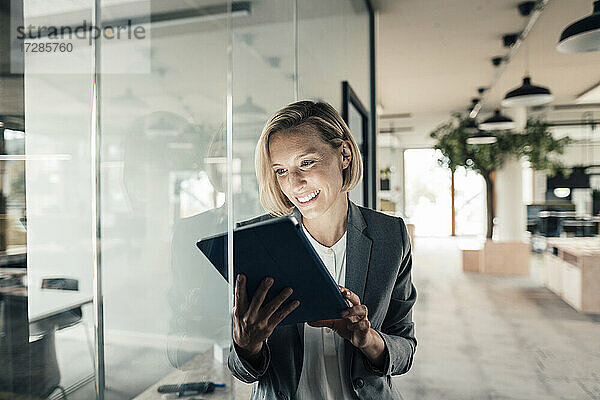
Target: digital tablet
(278,248)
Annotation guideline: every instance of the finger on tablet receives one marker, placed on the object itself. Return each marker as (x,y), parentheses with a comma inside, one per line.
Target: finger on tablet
(241,298)
(351,297)
(270,308)
(282,313)
(259,297)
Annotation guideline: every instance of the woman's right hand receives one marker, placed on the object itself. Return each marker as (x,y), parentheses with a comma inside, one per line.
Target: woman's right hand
(253,323)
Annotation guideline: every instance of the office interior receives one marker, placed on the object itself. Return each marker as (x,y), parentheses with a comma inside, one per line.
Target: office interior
(116,156)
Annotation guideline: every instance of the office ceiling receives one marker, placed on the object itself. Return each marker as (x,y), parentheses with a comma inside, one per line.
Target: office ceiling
(433,55)
(431,58)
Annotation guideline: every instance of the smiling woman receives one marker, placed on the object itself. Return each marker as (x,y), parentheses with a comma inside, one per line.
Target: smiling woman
(306,163)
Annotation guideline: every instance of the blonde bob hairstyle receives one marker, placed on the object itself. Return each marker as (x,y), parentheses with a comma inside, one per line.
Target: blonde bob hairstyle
(318,116)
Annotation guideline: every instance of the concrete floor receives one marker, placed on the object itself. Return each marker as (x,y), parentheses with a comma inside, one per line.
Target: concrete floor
(479,337)
(487,337)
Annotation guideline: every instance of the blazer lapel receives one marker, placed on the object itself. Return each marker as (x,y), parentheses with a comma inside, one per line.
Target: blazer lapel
(358,251)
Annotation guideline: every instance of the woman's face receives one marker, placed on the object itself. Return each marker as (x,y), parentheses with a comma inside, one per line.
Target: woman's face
(309,171)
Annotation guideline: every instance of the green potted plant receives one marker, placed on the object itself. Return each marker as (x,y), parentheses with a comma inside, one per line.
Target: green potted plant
(536,143)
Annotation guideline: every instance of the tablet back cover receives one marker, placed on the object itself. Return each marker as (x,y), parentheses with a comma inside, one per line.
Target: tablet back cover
(278,248)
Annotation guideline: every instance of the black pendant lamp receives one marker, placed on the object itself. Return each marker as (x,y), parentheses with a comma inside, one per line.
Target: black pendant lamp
(475,135)
(582,36)
(497,122)
(482,137)
(527,95)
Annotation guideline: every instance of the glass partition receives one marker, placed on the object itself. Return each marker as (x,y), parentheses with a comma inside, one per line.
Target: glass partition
(58,179)
(333,47)
(263,82)
(163,170)
(134,139)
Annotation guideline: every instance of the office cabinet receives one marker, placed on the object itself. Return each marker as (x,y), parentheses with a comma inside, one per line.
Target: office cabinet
(572,271)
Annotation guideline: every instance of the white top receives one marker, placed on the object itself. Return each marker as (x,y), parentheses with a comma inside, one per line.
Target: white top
(322,374)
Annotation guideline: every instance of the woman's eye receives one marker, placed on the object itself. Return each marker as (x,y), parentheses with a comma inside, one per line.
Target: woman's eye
(307,163)
(280,171)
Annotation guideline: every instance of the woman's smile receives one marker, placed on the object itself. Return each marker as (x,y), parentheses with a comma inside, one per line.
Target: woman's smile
(309,198)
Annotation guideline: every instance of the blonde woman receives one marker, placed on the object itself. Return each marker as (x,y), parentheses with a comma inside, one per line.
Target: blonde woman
(306,163)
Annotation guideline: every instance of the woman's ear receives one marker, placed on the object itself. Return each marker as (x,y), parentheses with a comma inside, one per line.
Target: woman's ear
(346,154)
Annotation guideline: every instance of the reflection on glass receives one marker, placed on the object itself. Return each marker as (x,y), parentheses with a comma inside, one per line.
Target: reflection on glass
(336,31)
(45,279)
(163,188)
(263,82)
(163,181)
(58,177)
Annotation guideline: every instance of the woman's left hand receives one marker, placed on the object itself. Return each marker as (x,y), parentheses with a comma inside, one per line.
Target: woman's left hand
(355,327)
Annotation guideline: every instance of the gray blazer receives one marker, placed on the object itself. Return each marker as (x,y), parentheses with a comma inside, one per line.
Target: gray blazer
(378,270)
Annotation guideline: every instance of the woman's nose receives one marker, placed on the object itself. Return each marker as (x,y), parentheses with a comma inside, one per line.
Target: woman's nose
(297,180)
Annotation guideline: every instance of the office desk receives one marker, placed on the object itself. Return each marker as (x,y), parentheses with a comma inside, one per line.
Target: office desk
(13,257)
(201,368)
(54,301)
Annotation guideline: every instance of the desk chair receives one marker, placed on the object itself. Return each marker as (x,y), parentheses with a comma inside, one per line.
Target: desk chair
(28,350)
(29,368)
